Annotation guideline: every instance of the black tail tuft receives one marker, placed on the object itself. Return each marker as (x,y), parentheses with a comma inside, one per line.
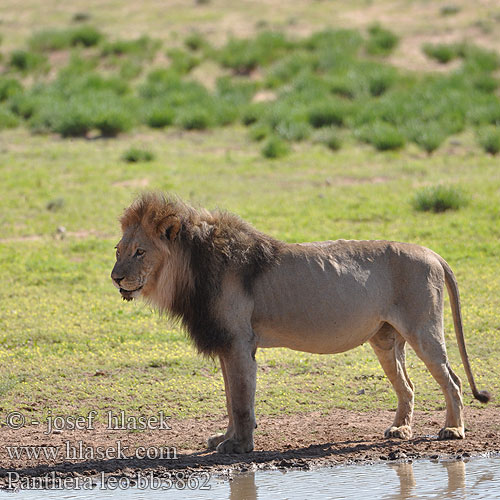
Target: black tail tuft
(483,396)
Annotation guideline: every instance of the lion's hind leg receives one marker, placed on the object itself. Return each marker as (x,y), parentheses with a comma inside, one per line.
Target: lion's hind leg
(389,346)
(428,343)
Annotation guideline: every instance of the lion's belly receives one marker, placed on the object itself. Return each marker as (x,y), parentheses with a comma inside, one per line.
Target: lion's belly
(314,339)
(319,306)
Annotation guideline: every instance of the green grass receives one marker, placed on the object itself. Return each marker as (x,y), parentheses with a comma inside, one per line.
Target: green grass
(62,320)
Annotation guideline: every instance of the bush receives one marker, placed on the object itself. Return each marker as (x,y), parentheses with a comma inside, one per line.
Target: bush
(136,155)
(111,119)
(429,136)
(252,113)
(323,114)
(328,136)
(7,118)
(275,147)
(9,87)
(158,115)
(439,199)
(489,139)
(26,61)
(259,131)
(380,41)
(293,130)
(88,36)
(449,10)
(441,52)
(195,41)
(143,46)
(244,55)
(50,39)
(55,39)
(193,118)
(181,61)
(383,136)
(485,83)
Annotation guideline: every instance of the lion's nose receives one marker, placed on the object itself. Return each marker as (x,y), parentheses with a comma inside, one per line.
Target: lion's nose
(116,280)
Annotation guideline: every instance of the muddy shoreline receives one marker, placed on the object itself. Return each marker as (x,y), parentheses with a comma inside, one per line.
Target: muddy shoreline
(289,442)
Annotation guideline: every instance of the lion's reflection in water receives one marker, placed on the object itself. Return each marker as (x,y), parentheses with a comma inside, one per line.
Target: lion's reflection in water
(254,486)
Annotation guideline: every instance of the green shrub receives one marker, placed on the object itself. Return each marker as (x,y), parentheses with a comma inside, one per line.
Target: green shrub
(244,55)
(130,69)
(136,155)
(57,39)
(289,66)
(380,41)
(337,42)
(50,39)
(259,131)
(181,61)
(449,10)
(71,119)
(439,199)
(193,118)
(328,136)
(485,83)
(441,52)
(195,41)
(88,36)
(81,17)
(323,114)
(7,118)
(9,87)
(26,61)
(293,130)
(383,136)
(428,135)
(489,140)
(275,147)
(380,82)
(252,113)
(112,118)
(158,115)
(144,47)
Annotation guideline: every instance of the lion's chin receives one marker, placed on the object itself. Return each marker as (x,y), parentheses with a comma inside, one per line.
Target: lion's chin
(129,295)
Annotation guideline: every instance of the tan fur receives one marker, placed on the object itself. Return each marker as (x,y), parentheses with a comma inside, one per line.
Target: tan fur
(323,297)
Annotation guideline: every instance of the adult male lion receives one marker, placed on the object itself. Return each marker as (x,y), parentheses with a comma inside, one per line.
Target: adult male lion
(236,289)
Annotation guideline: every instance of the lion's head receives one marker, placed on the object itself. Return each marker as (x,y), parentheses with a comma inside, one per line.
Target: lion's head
(176,257)
(150,226)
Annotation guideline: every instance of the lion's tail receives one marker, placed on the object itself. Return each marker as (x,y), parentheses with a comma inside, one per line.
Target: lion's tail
(452,286)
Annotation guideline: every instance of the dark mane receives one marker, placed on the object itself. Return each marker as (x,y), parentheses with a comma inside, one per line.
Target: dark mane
(215,242)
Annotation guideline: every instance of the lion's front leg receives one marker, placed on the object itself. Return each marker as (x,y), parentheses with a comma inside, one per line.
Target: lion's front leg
(241,372)
(216,439)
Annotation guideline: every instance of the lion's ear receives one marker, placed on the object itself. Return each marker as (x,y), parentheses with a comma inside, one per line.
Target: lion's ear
(170,227)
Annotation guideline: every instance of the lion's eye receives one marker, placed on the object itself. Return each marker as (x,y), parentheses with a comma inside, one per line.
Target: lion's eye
(139,252)
(117,253)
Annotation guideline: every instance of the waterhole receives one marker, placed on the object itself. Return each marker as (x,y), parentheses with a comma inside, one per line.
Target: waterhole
(477,478)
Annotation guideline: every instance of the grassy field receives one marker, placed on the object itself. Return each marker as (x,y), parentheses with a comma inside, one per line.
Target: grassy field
(68,343)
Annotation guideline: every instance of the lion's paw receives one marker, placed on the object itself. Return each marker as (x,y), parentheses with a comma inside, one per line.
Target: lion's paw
(451,433)
(402,432)
(232,446)
(215,440)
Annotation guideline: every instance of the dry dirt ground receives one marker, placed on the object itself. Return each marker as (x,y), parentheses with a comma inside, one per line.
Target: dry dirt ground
(299,441)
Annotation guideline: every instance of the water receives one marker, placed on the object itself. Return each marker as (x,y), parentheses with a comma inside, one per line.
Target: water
(476,479)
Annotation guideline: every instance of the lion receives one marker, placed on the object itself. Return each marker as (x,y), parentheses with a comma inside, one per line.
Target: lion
(236,289)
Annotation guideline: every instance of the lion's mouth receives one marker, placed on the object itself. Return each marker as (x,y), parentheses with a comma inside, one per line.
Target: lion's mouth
(129,294)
